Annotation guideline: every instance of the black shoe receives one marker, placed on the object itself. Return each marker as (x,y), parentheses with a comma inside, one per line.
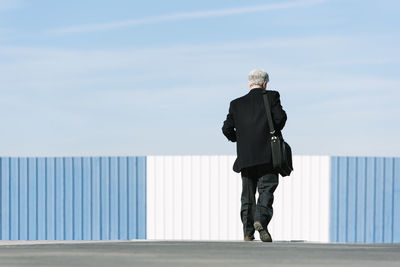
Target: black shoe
(248,237)
(264,235)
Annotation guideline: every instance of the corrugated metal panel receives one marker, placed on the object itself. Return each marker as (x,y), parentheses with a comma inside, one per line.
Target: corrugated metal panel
(192,197)
(89,198)
(365,200)
(198,198)
(301,206)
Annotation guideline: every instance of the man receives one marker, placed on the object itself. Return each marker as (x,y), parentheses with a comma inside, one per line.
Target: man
(246,124)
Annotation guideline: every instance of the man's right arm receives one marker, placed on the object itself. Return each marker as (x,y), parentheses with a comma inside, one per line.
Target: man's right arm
(228,129)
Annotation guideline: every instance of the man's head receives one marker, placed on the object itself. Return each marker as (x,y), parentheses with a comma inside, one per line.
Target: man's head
(258,78)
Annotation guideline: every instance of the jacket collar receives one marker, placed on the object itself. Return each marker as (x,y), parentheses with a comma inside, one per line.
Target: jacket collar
(256,90)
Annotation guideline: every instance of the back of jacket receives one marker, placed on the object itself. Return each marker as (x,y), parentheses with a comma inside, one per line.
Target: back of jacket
(246,124)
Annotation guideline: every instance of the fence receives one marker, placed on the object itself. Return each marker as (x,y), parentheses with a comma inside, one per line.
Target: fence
(326,199)
(91,198)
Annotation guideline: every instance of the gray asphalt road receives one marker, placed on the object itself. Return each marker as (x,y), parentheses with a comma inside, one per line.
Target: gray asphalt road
(167,253)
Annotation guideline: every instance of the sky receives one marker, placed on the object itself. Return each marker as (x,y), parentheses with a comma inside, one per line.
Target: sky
(99,78)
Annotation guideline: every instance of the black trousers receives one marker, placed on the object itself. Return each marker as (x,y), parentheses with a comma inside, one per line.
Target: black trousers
(266,180)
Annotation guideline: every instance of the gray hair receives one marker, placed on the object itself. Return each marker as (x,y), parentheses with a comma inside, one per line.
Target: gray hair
(258,77)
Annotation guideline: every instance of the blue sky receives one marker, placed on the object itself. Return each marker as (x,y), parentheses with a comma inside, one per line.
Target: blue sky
(156,77)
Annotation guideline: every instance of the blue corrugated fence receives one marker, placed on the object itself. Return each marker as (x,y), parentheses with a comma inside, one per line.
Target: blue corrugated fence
(73,198)
(365,200)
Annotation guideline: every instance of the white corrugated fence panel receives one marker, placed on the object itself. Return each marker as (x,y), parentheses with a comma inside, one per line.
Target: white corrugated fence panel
(198,198)
(193,198)
(301,205)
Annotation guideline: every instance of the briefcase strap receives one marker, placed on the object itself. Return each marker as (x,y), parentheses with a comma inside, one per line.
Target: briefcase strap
(269,116)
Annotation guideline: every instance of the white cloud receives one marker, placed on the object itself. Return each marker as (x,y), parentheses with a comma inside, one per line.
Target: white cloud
(5,34)
(364,61)
(41,69)
(186,16)
(118,101)
(10,4)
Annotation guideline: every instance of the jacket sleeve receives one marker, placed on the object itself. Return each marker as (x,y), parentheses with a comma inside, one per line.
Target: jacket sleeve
(228,129)
(278,114)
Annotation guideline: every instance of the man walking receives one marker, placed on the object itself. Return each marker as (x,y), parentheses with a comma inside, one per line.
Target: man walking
(246,124)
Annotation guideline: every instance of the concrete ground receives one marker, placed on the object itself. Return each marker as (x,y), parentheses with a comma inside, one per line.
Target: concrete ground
(171,253)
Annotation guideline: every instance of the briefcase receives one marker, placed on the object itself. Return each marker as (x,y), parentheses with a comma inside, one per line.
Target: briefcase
(281,151)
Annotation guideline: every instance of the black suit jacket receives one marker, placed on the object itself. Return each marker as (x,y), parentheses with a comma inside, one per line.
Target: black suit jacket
(246,124)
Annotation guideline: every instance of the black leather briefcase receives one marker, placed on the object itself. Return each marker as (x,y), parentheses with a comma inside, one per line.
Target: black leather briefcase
(281,151)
